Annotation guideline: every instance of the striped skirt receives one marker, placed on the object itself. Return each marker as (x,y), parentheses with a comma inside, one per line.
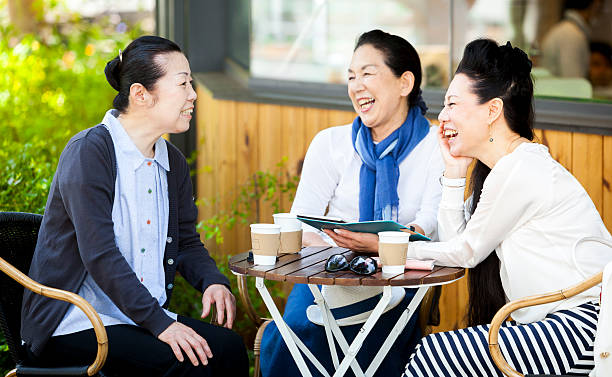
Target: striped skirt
(562,343)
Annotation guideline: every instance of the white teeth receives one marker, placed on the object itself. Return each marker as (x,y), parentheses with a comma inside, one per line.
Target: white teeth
(187,112)
(450,133)
(365,101)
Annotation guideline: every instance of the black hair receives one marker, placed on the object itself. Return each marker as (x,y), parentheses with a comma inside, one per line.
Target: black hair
(137,64)
(578,4)
(604,49)
(495,72)
(400,56)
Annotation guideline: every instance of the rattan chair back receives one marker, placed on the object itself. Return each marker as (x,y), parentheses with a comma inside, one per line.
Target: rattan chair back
(18,234)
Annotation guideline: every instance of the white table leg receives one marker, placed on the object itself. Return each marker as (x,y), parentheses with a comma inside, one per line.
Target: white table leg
(330,324)
(363,333)
(284,330)
(397,330)
(308,354)
(320,301)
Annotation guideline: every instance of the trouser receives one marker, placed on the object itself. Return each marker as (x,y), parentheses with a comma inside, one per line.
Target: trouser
(562,343)
(134,351)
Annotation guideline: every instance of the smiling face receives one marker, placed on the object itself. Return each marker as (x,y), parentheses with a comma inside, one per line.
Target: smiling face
(464,118)
(378,96)
(173,94)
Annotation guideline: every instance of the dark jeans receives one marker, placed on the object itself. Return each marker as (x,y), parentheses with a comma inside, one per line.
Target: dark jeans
(133,351)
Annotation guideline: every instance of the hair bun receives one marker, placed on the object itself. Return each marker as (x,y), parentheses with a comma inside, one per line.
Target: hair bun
(514,61)
(112,73)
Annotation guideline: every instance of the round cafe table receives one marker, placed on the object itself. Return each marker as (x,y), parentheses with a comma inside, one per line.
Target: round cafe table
(308,267)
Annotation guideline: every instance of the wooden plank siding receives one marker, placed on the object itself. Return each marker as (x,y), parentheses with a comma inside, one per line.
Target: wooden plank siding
(237,139)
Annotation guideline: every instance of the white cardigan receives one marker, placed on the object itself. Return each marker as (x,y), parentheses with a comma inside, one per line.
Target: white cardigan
(531,211)
(330,179)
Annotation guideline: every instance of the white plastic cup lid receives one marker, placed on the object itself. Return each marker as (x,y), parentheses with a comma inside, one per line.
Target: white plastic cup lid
(287,221)
(393,237)
(265,228)
(284,216)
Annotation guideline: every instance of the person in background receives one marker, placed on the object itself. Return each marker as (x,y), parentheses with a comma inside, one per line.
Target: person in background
(600,69)
(565,48)
(520,225)
(385,165)
(119,223)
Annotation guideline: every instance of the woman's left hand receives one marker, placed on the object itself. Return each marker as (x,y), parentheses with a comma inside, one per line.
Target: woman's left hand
(224,301)
(356,241)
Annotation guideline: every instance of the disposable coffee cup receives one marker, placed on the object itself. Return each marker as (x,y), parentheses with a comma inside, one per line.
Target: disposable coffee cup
(291,232)
(265,242)
(392,249)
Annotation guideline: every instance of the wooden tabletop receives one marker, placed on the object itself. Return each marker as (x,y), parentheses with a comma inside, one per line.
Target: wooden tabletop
(308,267)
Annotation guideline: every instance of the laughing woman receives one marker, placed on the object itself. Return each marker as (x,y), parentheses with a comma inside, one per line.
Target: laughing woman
(520,226)
(119,223)
(383,166)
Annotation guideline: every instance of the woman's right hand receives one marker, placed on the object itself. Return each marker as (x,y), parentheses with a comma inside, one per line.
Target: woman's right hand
(179,336)
(454,166)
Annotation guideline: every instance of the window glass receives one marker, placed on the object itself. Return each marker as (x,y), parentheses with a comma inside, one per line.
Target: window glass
(312,40)
(558,40)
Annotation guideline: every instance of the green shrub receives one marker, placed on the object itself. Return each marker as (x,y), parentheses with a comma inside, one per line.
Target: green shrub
(26,171)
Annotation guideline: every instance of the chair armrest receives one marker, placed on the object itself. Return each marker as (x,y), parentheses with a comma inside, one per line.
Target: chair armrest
(246,301)
(72,298)
(509,308)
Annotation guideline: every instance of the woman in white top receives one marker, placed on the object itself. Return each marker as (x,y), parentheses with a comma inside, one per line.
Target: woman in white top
(519,227)
(385,165)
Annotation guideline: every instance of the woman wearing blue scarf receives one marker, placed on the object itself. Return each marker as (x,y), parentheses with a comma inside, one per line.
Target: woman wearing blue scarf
(385,166)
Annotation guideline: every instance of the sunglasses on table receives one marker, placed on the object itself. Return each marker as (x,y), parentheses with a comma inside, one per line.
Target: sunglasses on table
(360,265)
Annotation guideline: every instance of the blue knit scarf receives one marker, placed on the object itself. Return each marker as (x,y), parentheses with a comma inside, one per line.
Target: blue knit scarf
(379,172)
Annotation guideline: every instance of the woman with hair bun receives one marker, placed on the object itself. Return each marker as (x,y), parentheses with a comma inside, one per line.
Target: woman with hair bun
(518,228)
(119,223)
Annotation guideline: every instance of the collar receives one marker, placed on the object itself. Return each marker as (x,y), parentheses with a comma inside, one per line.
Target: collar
(576,18)
(128,149)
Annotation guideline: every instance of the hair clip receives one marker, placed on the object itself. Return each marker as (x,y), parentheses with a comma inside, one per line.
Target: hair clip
(120,56)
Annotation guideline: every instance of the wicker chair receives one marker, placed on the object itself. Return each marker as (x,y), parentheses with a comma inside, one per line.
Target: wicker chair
(18,234)
(512,306)
(429,315)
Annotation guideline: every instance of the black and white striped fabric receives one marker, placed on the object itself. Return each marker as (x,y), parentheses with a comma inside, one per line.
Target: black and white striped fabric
(562,343)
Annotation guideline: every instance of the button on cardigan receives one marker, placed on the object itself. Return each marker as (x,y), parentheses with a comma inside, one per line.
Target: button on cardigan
(141,192)
(77,237)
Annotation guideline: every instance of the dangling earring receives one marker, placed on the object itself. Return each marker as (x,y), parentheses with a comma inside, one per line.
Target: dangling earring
(490,137)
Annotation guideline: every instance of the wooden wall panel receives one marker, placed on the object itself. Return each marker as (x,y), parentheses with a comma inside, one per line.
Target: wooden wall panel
(269,143)
(607,181)
(315,121)
(206,128)
(247,162)
(293,133)
(560,145)
(453,306)
(587,165)
(339,118)
(226,163)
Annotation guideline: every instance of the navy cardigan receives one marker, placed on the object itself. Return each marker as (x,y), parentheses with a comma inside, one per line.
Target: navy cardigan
(77,237)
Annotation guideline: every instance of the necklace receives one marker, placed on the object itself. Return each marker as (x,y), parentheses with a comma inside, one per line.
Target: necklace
(509,149)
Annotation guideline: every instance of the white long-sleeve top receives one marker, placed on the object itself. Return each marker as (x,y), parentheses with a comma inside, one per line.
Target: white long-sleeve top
(330,180)
(531,212)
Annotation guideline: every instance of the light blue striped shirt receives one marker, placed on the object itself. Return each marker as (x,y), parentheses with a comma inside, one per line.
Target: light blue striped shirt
(140,217)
